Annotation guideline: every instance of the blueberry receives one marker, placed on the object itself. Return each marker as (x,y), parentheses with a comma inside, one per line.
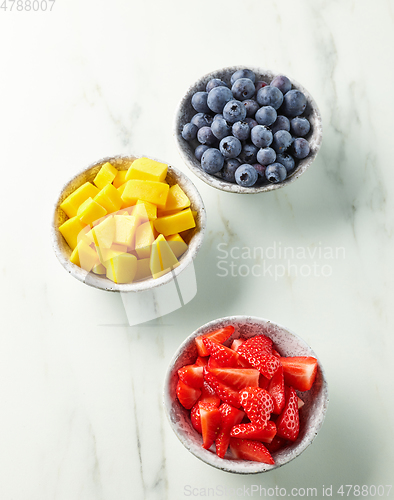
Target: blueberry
(251,107)
(281,123)
(243,88)
(202,120)
(229,168)
(248,153)
(265,156)
(300,148)
(246,175)
(286,160)
(294,103)
(243,73)
(251,122)
(260,169)
(270,96)
(199,102)
(200,150)
(241,130)
(215,82)
(220,128)
(234,111)
(282,83)
(212,161)
(266,115)
(282,140)
(261,136)
(218,97)
(260,84)
(189,131)
(230,147)
(205,136)
(300,126)
(218,115)
(275,173)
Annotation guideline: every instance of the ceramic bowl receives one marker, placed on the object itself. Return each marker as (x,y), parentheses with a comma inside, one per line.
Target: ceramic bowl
(288,344)
(63,251)
(185,112)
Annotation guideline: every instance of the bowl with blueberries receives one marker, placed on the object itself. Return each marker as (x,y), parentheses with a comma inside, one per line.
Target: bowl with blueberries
(248,130)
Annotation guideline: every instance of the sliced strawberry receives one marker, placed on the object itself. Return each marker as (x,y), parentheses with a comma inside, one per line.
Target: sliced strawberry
(210,425)
(195,414)
(238,378)
(264,382)
(257,351)
(192,375)
(200,361)
(221,353)
(187,395)
(276,389)
(208,395)
(300,403)
(299,371)
(236,343)
(276,444)
(212,363)
(253,431)
(258,405)
(218,336)
(288,422)
(230,417)
(225,393)
(247,449)
(275,353)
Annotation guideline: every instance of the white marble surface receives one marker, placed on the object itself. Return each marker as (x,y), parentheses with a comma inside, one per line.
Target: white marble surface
(81,415)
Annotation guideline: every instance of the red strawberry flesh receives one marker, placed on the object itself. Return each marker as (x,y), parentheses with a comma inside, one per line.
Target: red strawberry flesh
(187,395)
(210,425)
(258,405)
(299,371)
(257,352)
(253,431)
(288,422)
(238,378)
(219,336)
(247,449)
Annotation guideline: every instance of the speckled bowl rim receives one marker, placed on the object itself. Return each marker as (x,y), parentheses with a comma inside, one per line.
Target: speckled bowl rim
(172,406)
(102,283)
(194,165)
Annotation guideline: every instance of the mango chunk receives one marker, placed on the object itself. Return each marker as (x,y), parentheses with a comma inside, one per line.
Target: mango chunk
(90,211)
(122,268)
(143,269)
(177,244)
(151,191)
(125,229)
(147,170)
(99,269)
(71,204)
(106,175)
(106,254)
(145,210)
(144,237)
(109,198)
(120,178)
(176,199)
(162,259)
(104,233)
(70,231)
(172,224)
(84,256)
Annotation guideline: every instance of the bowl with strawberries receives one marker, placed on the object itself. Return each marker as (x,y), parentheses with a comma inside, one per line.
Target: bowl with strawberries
(245,395)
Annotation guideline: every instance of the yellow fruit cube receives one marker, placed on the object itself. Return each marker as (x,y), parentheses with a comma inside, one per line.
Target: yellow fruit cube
(145,210)
(70,231)
(177,245)
(71,204)
(143,269)
(104,232)
(99,269)
(106,254)
(109,198)
(144,237)
(172,224)
(106,175)
(147,170)
(162,259)
(84,256)
(90,211)
(151,191)
(176,199)
(120,178)
(122,268)
(126,226)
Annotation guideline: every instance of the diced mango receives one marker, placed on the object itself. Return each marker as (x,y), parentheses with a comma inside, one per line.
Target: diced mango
(70,231)
(172,224)
(145,210)
(120,178)
(162,259)
(71,204)
(176,199)
(143,269)
(151,191)
(126,226)
(122,268)
(106,254)
(99,269)
(177,245)
(90,211)
(84,256)
(104,232)
(109,198)
(106,175)
(144,237)
(147,170)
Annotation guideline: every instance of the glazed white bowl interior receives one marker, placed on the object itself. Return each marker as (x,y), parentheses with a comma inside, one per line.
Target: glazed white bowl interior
(185,113)
(288,344)
(63,251)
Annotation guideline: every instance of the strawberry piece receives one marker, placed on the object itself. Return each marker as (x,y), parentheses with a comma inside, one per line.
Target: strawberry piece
(247,449)
(225,393)
(275,353)
(201,361)
(276,444)
(208,395)
(258,405)
(212,363)
(187,395)
(195,414)
(253,431)
(276,389)
(218,336)
(288,422)
(222,354)
(299,371)
(236,343)
(192,375)
(230,417)
(257,351)
(210,425)
(264,382)
(300,403)
(238,378)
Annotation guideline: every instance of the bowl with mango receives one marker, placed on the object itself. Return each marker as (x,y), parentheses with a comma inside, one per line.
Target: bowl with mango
(128,224)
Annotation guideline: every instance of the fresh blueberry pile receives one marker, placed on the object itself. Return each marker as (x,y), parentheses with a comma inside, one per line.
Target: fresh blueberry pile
(253,133)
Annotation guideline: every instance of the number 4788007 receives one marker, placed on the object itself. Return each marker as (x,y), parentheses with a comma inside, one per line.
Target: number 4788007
(27,5)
